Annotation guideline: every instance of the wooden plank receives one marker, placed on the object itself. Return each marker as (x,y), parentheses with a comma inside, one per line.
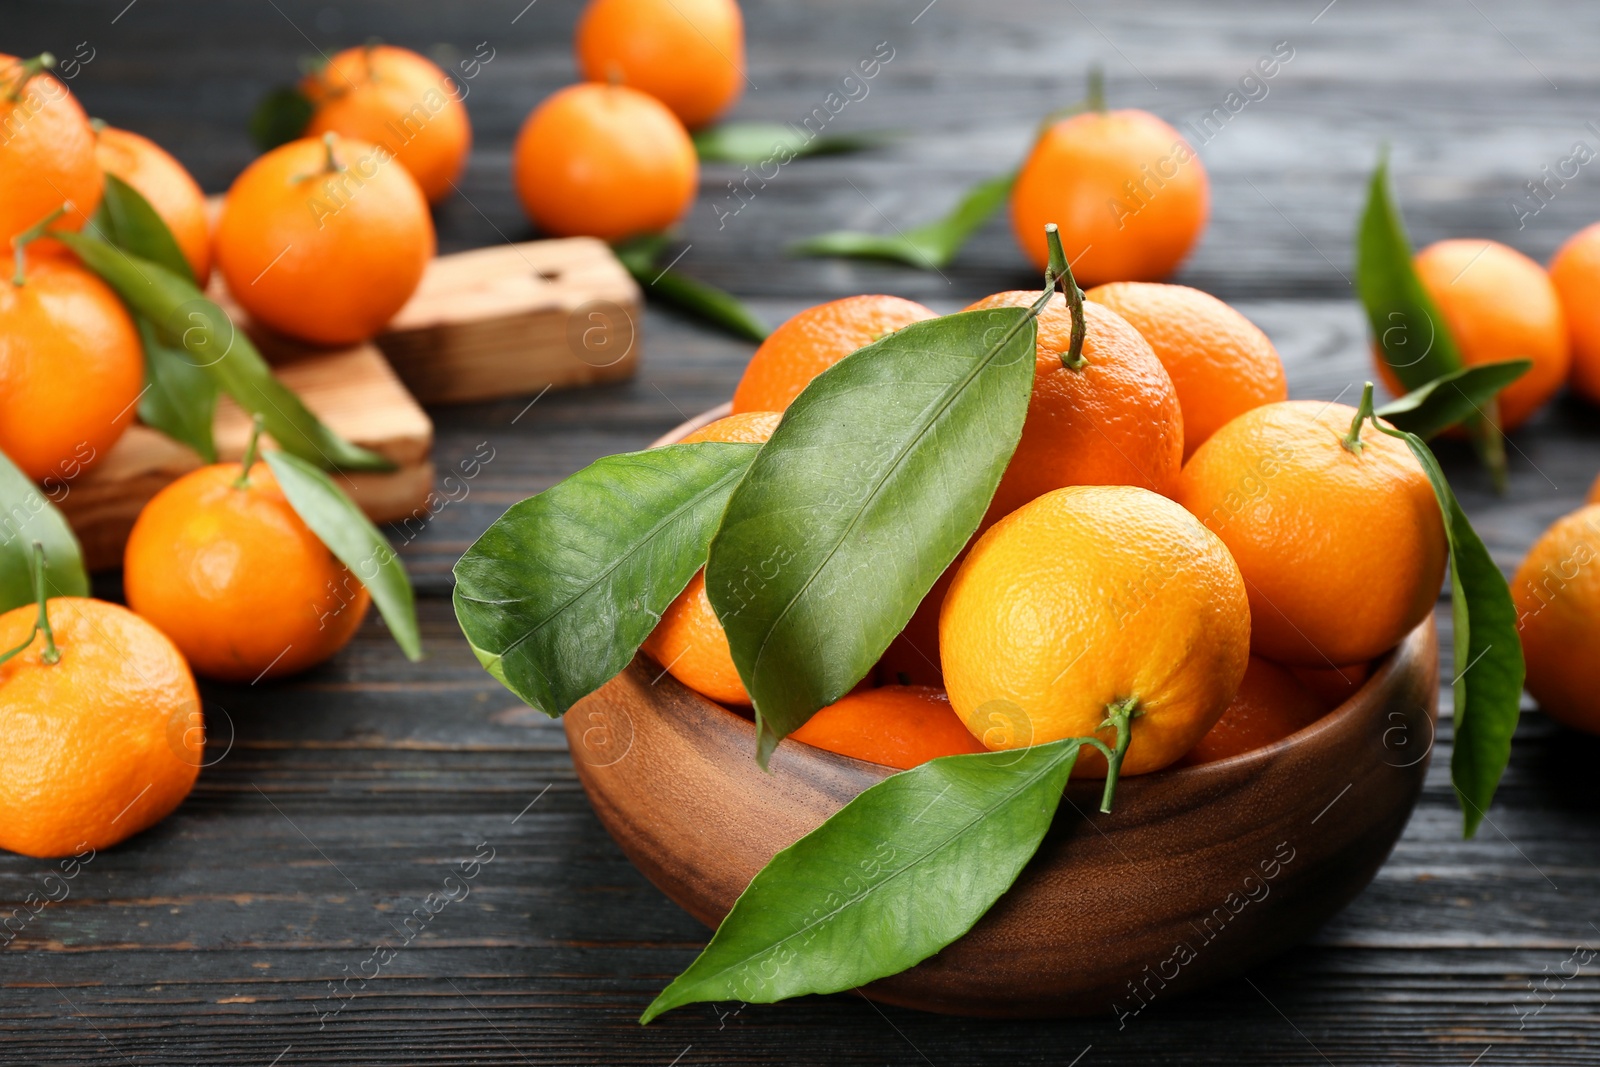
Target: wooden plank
(353,390)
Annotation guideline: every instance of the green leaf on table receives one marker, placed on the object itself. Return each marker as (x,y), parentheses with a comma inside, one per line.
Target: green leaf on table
(1457,396)
(894,876)
(350,536)
(1488,652)
(26,516)
(184,318)
(280,116)
(777,142)
(126,219)
(180,399)
(639,255)
(930,246)
(1407,326)
(878,474)
(559,593)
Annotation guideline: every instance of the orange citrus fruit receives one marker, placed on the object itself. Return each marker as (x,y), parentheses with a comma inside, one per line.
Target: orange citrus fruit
(688,54)
(1497,304)
(604,161)
(1333,685)
(897,726)
(1342,551)
(689,641)
(71,367)
(1220,362)
(1557,595)
(815,339)
(46,151)
(234,576)
(324,239)
(1575,272)
(1089,597)
(164,182)
(1271,704)
(394,98)
(99,744)
(1114,421)
(1127,191)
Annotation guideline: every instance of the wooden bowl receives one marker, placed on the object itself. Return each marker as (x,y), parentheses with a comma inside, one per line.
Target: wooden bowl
(1199,873)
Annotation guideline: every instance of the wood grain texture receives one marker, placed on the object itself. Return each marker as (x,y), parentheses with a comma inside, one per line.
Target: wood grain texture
(212,938)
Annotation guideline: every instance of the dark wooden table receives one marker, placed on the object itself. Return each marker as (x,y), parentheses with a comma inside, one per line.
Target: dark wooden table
(335,804)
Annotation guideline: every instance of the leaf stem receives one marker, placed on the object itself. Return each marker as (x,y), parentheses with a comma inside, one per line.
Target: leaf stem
(51,653)
(1352,440)
(1060,270)
(25,72)
(1096,100)
(330,165)
(27,237)
(243,481)
(1119,715)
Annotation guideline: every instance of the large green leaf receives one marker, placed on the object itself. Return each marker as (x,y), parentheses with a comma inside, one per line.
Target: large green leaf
(722,309)
(26,516)
(1446,401)
(774,142)
(1407,325)
(931,245)
(180,399)
(893,877)
(560,592)
(127,220)
(875,479)
(350,535)
(183,316)
(1488,653)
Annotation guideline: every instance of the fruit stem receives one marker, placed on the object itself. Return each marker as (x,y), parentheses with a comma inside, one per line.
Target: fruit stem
(367,51)
(243,481)
(330,164)
(27,237)
(1119,715)
(51,653)
(1096,100)
(1060,270)
(26,70)
(1352,440)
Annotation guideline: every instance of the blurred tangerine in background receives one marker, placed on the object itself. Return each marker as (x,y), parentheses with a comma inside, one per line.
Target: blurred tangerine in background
(689,54)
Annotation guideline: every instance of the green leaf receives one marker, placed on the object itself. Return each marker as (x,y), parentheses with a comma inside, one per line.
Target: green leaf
(1409,329)
(350,536)
(560,592)
(180,399)
(281,116)
(893,877)
(1446,401)
(183,316)
(775,142)
(722,309)
(26,516)
(1488,652)
(932,245)
(126,219)
(875,479)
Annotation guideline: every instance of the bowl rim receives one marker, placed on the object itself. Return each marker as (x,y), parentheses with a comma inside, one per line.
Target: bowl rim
(1381,676)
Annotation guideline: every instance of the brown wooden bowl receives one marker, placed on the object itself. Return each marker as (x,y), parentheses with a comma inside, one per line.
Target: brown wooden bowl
(1199,873)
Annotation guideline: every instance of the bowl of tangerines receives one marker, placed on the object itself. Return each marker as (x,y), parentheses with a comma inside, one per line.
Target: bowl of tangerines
(1038,658)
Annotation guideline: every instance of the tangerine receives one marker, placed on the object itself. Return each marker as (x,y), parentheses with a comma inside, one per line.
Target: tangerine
(898,726)
(227,568)
(98,741)
(169,188)
(1338,535)
(324,239)
(689,54)
(400,101)
(603,161)
(813,340)
(1089,598)
(1575,272)
(1557,595)
(46,149)
(1220,362)
(1270,705)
